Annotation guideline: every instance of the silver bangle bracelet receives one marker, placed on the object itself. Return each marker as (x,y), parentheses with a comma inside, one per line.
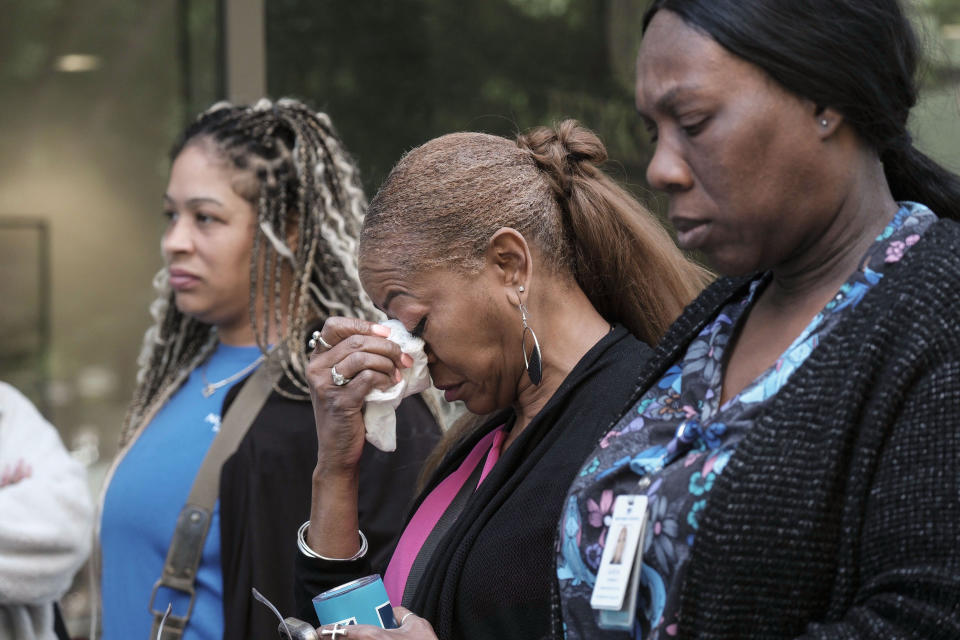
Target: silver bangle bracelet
(310,553)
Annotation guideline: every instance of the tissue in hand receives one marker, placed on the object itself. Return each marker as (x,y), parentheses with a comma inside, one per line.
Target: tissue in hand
(379,411)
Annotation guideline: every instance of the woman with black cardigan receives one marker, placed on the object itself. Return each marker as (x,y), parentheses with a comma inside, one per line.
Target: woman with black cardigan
(525,269)
(795,435)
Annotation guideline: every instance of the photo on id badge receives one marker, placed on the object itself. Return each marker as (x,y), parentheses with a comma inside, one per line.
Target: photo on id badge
(615,590)
(618,549)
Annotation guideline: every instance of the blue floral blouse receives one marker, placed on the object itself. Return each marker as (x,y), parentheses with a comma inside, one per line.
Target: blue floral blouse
(677,439)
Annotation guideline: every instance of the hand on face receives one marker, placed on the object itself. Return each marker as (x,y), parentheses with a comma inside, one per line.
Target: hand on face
(413,627)
(469,320)
(364,357)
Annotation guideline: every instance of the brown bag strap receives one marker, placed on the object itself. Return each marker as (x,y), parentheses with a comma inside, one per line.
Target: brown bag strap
(193,523)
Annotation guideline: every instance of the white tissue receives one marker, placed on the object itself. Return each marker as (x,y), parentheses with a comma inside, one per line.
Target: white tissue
(379,411)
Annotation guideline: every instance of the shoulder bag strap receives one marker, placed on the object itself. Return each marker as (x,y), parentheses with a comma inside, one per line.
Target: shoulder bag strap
(193,523)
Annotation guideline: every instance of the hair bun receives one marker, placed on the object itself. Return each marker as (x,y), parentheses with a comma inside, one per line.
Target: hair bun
(563,152)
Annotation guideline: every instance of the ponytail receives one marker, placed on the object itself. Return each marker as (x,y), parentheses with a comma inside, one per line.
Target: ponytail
(455,191)
(623,259)
(445,199)
(914,176)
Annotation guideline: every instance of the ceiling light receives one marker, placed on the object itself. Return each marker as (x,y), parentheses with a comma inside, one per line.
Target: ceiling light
(77,63)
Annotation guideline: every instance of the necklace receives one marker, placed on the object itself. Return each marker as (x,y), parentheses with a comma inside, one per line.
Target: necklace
(210,387)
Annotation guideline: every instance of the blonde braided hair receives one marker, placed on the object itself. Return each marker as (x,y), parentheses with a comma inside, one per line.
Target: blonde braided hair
(310,206)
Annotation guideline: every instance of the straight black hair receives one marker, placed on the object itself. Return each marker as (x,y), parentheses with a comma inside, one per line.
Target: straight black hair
(856,56)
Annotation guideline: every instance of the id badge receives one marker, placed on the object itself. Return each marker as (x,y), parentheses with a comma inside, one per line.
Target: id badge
(618,578)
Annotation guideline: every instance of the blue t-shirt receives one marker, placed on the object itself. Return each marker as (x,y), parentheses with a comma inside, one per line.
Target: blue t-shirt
(145,496)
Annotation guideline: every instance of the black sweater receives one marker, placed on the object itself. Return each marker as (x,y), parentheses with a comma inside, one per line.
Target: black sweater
(838,515)
(265,489)
(492,574)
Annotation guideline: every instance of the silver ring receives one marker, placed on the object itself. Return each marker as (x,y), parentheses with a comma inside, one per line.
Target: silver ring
(316,339)
(338,379)
(339,629)
(405,616)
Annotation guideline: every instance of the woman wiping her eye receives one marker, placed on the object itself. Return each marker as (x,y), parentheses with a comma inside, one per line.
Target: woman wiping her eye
(525,269)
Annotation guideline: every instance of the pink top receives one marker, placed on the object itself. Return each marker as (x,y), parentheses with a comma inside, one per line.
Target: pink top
(433,507)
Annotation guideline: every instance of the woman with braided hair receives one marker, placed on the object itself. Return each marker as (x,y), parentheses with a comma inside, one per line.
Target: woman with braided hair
(264,209)
(528,272)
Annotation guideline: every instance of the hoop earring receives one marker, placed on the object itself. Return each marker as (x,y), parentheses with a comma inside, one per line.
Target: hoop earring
(534,363)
